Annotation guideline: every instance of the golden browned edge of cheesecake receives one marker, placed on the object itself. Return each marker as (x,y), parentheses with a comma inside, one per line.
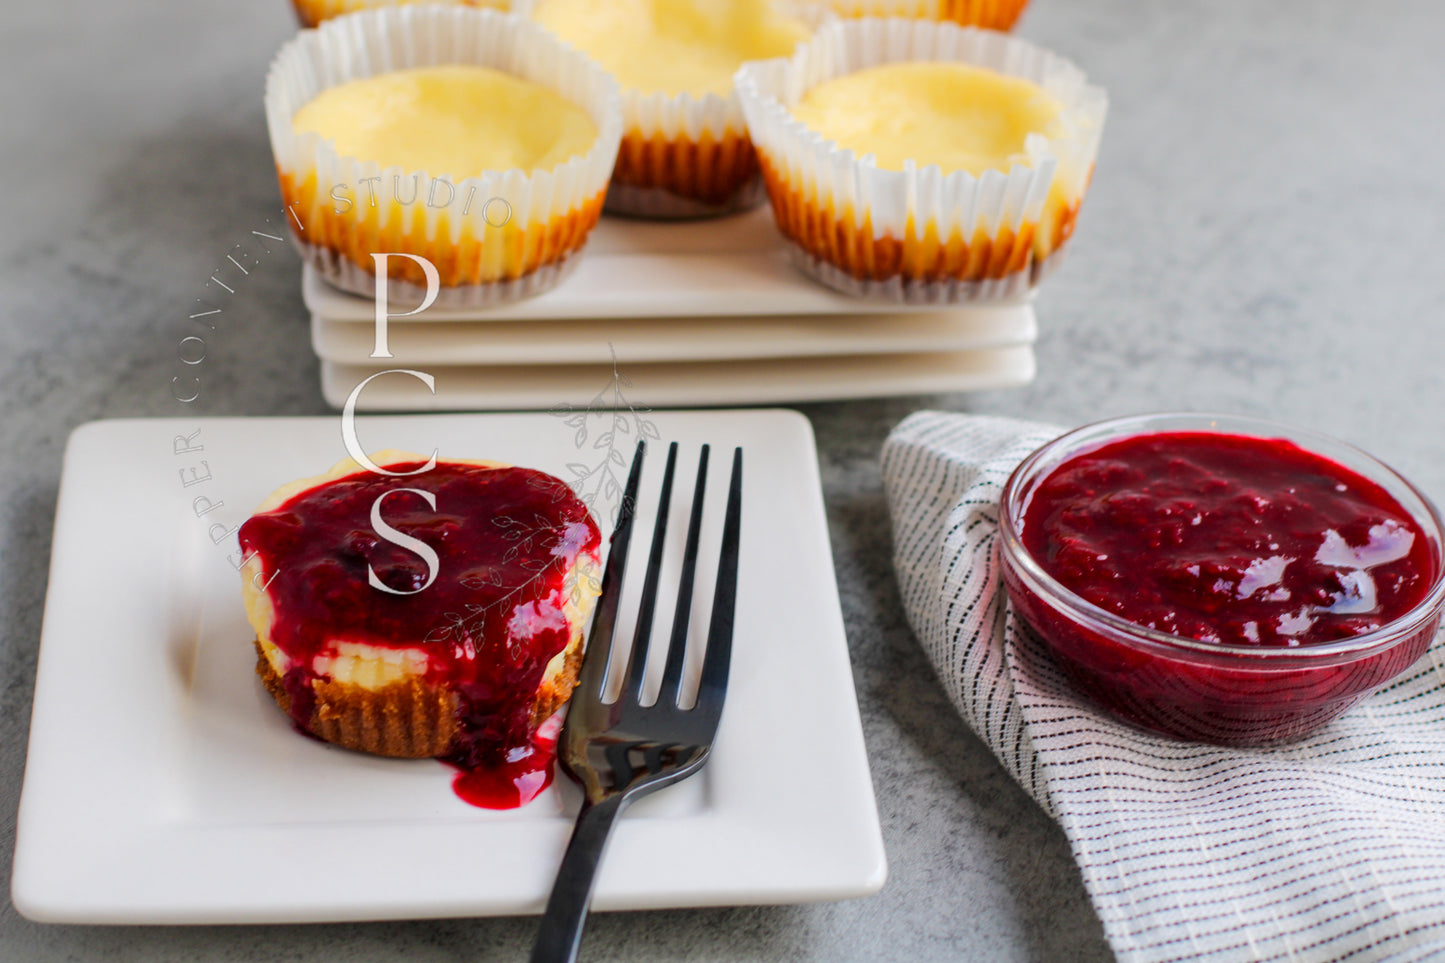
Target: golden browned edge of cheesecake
(712,171)
(529,247)
(832,236)
(409,719)
(989,14)
(312,12)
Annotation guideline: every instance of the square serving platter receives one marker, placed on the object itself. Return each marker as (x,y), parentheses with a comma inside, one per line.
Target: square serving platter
(692,340)
(163,785)
(663,384)
(706,312)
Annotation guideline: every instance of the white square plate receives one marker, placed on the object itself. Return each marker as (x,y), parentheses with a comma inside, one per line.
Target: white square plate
(651,340)
(164,786)
(661,384)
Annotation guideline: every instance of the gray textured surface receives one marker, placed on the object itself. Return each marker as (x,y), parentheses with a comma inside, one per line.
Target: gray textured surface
(1262,236)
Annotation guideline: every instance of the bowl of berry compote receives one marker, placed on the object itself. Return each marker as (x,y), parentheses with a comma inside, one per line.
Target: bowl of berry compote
(1219,578)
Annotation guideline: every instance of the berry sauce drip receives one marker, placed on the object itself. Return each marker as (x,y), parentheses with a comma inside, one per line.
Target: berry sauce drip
(1228,539)
(505,540)
(518,778)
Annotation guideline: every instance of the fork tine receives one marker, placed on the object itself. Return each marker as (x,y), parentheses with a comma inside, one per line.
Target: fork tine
(677,646)
(714,681)
(601,744)
(604,622)
(647,605)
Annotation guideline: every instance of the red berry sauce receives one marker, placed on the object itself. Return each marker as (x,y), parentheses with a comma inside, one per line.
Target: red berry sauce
(1228,539)
(505,540)
(518,778)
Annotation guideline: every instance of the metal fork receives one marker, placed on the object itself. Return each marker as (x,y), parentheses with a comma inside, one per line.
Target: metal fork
(622,750)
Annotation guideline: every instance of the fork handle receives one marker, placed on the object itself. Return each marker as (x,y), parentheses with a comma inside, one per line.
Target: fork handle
(561,930)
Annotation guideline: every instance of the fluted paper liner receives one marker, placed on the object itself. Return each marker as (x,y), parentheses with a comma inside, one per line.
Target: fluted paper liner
(683,156)
(989,14)
(494,237)
(918,235)
(313,12)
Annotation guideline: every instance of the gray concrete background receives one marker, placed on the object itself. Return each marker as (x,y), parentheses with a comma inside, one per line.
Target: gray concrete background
(1263,236)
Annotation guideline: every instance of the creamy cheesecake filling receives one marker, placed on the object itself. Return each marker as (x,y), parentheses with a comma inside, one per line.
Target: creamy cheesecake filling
(454,120)
(958,116)
(674,46)
(374,667)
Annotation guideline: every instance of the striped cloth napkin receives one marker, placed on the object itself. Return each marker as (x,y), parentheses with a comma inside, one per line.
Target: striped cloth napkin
(1328,849)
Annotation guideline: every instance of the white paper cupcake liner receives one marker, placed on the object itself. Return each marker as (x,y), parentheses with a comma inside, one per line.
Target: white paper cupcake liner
(686,156)
(872,226)
(902,290)
(498,236)
(989,14)
(683,156)
(342,273)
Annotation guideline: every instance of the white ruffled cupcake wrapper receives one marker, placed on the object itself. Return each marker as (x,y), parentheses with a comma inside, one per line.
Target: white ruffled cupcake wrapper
(902,204)
(681,119)
(914,291)
(341,272)
(396,38)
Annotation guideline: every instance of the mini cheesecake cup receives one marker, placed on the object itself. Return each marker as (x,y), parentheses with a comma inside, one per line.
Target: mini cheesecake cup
(313,12)
(494,237)
(919,235)
(687,156)
(378,698)
(989,14)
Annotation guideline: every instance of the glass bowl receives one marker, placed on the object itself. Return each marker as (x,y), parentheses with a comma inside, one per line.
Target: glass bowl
(1228,694)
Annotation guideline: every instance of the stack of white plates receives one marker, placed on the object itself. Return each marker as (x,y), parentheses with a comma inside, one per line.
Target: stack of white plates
(659,314)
